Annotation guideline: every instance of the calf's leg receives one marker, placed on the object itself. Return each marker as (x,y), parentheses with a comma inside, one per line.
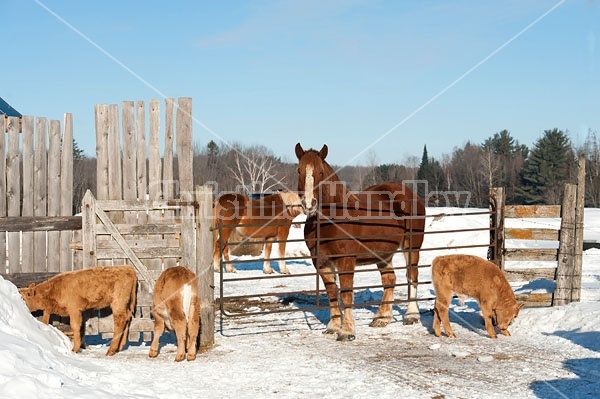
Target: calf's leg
(487,313)
(159,328)
(75,321)
(179,327)
(193,327)
(120,320)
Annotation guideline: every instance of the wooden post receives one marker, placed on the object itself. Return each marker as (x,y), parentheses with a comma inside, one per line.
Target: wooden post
(167,177)
(66,191)
(13,192)
(186,167)
(168,181)
(40,187)
(115,177)
(140,126)
(54,192)
(129,159)
(204,268)
(88,230)
(496,250)
(27,210)
(101,118)
(579,212)
(564,270)
(155,171)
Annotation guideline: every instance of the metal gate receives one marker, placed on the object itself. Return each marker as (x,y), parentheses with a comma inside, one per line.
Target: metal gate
(250,292)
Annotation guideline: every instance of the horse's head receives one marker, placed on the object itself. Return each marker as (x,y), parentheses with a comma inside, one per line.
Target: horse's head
(311,172)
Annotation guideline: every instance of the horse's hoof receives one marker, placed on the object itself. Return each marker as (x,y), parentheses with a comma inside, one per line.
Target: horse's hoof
(328,331)
(346,337)
(268,271)
(410,319)
(379,323)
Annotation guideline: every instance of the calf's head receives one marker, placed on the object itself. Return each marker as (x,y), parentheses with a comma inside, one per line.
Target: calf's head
(31,299)
(504,315)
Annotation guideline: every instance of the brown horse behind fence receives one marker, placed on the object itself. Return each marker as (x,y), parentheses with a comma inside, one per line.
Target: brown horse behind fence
(344,230)
(268,218)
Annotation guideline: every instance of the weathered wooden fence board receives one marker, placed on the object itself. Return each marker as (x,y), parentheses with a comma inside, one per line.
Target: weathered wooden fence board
(40,204)
(531,234)
(532,211)
(28,195)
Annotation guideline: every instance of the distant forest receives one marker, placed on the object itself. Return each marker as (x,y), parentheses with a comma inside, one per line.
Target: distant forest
(533,175)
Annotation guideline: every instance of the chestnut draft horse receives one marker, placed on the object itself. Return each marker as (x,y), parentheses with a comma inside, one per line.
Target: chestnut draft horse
(347,229)
(269,218)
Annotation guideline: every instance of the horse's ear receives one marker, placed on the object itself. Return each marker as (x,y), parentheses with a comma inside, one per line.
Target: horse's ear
(323,152)
(299,151)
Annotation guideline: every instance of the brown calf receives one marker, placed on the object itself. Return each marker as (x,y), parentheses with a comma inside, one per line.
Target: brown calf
(480,279)
(71,293)
(176,305)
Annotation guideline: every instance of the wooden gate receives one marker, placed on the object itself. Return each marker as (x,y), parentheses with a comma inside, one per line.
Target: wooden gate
(139,241)
(145,214)
(565,254)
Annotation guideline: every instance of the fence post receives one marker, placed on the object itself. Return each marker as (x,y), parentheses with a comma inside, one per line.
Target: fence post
(13,192)
(185,160)
(66,191)
(204,268)
(564,269)
(496,249)
(88,230)
(579,212)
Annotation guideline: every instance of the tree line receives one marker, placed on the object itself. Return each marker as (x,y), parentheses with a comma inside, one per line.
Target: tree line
(533,175)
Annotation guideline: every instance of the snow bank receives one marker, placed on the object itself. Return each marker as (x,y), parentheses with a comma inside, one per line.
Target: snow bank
(35,359)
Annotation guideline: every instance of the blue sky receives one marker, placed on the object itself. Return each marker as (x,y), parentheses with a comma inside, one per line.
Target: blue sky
(374,80)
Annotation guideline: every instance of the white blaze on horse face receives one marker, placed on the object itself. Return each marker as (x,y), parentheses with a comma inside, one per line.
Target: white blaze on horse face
(309,186)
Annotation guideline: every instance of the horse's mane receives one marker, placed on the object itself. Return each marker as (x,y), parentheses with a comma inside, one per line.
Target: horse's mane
(291,200)
(333,187)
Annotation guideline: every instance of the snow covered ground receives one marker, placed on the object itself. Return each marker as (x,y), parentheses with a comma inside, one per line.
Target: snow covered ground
(552,353)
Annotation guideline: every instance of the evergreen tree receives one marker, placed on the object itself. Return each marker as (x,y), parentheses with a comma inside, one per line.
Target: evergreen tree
(430,176)
(549,165)
(78,153)
(503,159)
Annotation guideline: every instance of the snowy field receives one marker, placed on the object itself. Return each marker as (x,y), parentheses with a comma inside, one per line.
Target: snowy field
(552,353)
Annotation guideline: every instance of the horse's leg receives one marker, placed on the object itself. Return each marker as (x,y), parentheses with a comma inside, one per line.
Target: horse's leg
(412,276)
(228,265)
(327,274)
(267,269)
(222,238)
(388,281)
(281,237)
(346,273)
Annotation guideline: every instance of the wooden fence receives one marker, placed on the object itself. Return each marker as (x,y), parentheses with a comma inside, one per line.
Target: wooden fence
(143,213)
(36,182)
(564,246)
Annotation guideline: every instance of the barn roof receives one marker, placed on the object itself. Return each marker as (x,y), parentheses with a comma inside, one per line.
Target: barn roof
(7,110)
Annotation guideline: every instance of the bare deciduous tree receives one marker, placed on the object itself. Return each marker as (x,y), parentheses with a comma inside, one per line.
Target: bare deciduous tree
(255,170)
